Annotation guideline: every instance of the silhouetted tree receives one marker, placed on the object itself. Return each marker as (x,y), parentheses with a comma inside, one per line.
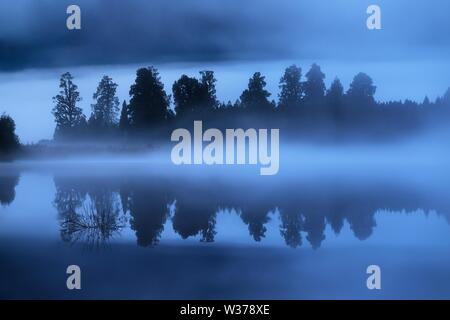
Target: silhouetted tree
(255,97)
(106,106)
(87,212)
(314,224)
(149,103)
(361,90)
(208,81)
(69,196)
(69,117)
(291,93)
(256,220)
(335,99)
(195,96)
(186,95)
(209,233)
(362,223)
(124,121)
(149,210)
(9,141)
(291,224)
(314,86)
(192,218)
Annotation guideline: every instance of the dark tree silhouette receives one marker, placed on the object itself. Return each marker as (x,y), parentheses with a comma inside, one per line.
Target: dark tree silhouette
(314,224)
(314,86)
(256,218)
(362,223)
(149,103)
(9,142)
(191,219)
(106,106)
(187,94)
(8,184)
(320,113)
(291,224)
(192,96)
(255,97)
(124,122)
(335,99)
(69,196)
(209,233)
(69,117)
(291,93)
(361,90)
(149,210)
(208,81)
(91,217)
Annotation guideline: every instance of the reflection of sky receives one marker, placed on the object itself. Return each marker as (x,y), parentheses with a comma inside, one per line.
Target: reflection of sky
(27,95)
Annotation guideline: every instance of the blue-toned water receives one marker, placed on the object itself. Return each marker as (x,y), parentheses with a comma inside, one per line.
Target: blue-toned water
(149,230)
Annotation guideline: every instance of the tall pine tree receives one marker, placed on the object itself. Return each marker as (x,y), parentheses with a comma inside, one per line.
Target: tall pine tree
(291,88)
(106,107)
(149,103)
(69,117)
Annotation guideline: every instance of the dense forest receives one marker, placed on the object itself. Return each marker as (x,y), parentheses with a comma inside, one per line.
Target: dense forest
(305,109)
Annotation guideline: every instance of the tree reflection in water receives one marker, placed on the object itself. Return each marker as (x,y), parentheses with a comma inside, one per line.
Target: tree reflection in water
(92,217)
(95,210)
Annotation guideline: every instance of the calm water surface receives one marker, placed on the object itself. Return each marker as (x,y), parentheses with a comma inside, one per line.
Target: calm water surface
(166,233)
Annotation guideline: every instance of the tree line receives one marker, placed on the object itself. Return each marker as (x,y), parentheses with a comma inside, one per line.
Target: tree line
(304,102)
(300,101)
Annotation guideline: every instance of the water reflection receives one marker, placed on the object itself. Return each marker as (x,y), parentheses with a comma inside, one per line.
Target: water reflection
(95,210)
(8,184)
(149,210)
(88,213)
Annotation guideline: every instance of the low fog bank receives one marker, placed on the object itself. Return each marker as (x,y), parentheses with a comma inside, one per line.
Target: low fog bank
(429,149)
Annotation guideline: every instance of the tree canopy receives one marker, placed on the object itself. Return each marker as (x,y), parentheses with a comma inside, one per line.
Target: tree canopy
(149,103)
(69,117)
(9,141)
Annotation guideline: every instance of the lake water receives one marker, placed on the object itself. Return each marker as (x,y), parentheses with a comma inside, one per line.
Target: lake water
(141,231)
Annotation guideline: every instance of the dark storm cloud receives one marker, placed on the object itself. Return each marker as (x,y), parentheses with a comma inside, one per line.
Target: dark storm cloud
(33,33)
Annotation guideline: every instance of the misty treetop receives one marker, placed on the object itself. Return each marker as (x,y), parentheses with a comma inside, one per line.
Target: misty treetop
(314,86)
(303,102)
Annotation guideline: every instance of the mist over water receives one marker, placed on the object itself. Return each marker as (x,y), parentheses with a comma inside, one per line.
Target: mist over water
(342,206)
(362,180)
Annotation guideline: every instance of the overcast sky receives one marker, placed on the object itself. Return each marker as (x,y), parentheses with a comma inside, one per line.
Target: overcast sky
(33,33)
(408,58)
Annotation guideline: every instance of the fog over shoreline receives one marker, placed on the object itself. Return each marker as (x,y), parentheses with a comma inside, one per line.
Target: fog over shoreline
(32,111)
